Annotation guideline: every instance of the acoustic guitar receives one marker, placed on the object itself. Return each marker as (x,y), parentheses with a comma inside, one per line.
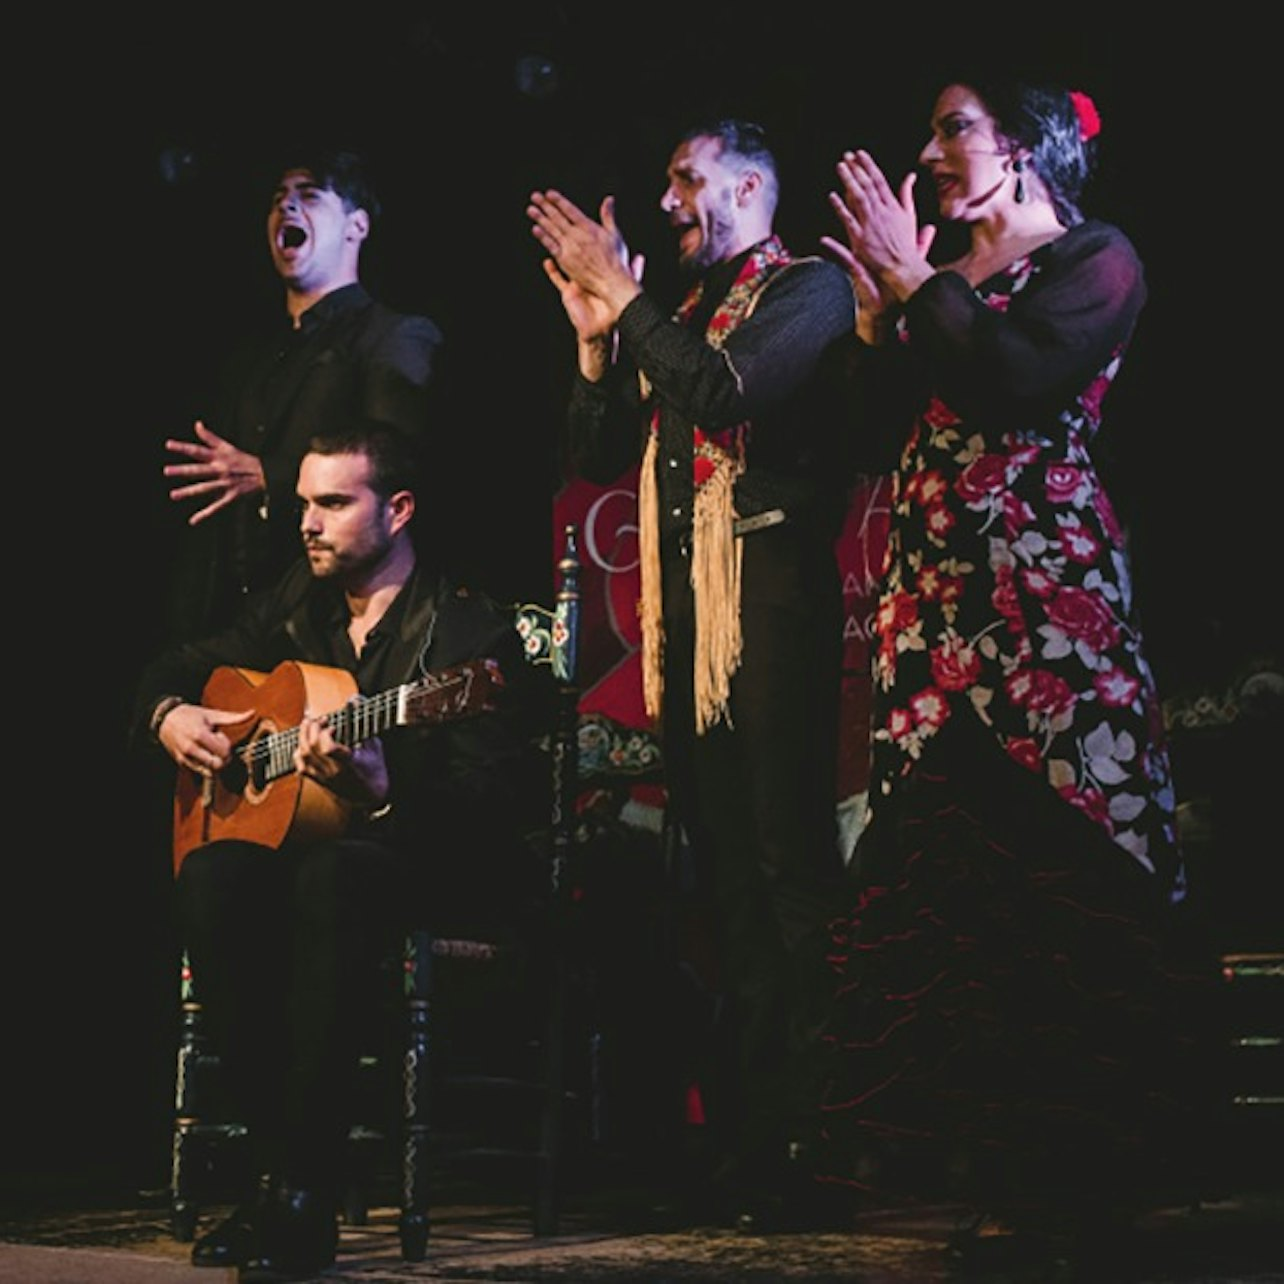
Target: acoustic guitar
(259,796)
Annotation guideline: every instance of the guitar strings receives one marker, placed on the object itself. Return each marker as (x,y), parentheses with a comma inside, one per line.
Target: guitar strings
(353,718)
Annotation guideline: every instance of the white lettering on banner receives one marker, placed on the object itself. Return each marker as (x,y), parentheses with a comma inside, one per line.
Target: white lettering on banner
(861,629)
(592,543)
(861,545)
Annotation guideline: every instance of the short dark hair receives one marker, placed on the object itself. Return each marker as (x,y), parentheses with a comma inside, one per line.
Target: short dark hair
(342,172)
(394,464)
(1041,119)
(743,140)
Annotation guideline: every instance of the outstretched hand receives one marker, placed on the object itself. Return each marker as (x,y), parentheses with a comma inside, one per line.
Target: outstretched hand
(589,262)
(221,470)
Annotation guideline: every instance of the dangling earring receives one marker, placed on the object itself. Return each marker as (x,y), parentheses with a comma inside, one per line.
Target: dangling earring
(1018,166)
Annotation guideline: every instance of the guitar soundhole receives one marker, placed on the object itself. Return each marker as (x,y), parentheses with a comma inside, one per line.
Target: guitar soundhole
(233,777)
(258,756)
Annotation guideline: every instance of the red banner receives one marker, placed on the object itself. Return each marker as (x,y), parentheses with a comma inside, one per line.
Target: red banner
(610,635)
(860,550)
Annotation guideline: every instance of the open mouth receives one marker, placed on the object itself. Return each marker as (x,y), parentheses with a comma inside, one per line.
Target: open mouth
(291,237)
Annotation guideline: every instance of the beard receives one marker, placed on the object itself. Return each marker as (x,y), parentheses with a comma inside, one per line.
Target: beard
(350,565)
(717,233)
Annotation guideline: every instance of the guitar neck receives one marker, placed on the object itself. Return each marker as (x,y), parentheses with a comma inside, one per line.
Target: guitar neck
(359,719)
(434,698)
(259,796)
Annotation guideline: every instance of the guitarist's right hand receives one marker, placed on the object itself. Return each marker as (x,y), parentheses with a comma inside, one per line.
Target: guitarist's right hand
(193,736)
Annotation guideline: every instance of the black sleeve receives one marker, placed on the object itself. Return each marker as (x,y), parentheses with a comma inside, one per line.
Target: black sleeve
(394,361)
(1017,365)
(604,424)
(773,352)
(1061,329)
(254,641)
(766,361)
(399,371)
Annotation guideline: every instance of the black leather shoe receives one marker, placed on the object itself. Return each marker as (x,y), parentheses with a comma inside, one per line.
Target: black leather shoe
(297,1238)
(231,1242)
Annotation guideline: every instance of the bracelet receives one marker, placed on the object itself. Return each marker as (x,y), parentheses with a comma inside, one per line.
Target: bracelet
(380,812)
(162,711)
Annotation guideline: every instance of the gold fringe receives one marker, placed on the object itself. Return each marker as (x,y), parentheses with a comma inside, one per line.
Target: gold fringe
(716,553)
(650,611)
(716,558)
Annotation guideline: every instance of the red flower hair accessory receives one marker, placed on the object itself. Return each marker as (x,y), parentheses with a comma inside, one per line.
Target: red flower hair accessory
(1089,118)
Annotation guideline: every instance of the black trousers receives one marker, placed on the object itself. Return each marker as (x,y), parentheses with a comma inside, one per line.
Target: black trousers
(757,800)
(284,947)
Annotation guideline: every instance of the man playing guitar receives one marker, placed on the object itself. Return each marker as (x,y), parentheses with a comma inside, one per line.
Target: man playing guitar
(357,741)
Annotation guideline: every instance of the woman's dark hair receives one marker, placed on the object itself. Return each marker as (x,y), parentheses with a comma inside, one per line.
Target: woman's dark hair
(1041,120)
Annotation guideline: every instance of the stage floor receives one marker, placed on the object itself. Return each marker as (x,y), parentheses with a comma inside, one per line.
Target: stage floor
(616,1237)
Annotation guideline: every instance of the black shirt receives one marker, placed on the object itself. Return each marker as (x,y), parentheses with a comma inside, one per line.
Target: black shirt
(763,375)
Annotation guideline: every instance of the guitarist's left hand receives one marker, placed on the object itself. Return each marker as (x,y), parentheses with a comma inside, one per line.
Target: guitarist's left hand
(358,774)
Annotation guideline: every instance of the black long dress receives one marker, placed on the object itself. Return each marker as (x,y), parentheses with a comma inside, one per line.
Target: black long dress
(1010,1025)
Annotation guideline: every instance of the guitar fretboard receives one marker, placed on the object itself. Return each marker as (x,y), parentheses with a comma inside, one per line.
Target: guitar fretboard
(268,757)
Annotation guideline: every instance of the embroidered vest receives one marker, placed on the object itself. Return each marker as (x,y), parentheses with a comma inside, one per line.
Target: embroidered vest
(716,554)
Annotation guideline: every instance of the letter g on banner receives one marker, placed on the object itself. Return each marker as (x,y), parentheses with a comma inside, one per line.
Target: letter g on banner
(610,521)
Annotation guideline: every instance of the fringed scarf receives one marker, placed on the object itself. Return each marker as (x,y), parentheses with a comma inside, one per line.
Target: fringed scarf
(715,552)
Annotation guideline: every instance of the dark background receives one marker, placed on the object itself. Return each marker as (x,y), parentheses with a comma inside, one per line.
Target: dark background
(141,252)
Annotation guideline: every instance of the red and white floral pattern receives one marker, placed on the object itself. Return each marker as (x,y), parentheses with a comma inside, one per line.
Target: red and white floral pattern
(1007,597)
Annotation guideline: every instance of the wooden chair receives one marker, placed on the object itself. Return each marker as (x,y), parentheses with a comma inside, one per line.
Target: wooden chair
(550,638)
(428,1068)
